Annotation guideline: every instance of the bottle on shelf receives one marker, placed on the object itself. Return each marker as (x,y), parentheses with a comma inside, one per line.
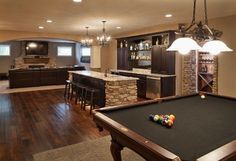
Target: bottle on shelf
(121,44)
(126,44)
(131,48)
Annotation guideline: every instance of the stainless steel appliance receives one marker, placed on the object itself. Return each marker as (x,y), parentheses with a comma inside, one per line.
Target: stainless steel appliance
(153,87)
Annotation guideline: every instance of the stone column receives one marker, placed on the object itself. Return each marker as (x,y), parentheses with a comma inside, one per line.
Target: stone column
(189,73)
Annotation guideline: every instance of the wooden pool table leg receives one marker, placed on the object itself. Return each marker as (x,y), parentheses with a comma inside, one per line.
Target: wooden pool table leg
(116,150)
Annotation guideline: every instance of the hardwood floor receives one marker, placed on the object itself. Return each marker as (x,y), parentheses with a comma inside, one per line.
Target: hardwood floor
(32,122)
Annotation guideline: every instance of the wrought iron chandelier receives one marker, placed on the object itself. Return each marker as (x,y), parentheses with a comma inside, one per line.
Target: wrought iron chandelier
(87,41)
(104,38)
(199,33)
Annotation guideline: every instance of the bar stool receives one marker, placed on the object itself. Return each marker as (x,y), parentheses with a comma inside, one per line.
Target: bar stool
(68,87)
(80,91)
(73,89)
(90,94)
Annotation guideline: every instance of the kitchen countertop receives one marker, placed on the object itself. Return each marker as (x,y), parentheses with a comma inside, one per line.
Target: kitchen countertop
(143,73)
(99,75)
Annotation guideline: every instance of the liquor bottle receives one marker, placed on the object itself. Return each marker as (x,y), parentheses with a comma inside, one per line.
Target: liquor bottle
(131,48)
(126,44)
(121,44)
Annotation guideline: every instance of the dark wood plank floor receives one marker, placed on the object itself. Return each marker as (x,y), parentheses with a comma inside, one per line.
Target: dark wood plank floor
(33,122)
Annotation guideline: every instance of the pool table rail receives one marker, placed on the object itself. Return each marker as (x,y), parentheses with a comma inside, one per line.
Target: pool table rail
(224,153)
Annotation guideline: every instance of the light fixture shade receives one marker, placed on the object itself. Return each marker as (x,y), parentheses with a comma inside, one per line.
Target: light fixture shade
(184,45)
(215,47)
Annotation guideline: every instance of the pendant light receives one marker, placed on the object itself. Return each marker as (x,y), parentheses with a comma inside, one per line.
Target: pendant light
(215,47)
(87,41)
(104,38)
(200,33)
(184,45)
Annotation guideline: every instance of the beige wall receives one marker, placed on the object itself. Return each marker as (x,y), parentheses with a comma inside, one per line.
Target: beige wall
(227,61)
(109,56)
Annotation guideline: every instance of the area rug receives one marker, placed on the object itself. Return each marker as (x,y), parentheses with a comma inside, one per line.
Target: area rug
(4,88)
(95,150)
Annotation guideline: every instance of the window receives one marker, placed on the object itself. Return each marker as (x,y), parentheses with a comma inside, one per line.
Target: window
(4,50)
(85,55)
(64,50)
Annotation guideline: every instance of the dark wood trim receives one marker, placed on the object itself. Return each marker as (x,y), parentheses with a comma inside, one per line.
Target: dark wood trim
(111,108)
(223,153)
(216,95)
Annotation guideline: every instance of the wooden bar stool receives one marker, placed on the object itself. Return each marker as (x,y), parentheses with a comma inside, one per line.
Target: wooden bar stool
(73,89)
(90,96)
(80,91)
(68,87)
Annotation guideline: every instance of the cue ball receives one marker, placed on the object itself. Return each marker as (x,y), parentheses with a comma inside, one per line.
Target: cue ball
(203,96)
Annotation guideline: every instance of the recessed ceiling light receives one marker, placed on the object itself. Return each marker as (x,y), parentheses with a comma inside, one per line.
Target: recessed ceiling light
(168,15)
(41,27)
(118,27)
(77,1)
(49,21)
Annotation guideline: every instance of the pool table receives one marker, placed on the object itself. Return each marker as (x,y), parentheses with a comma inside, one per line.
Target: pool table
(204,129)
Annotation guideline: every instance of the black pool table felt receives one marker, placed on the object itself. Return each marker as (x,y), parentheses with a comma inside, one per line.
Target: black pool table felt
(201,125)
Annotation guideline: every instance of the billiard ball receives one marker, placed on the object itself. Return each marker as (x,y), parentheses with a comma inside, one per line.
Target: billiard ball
(156,118)
(203,96)
(169,123)
(172,117)
(151,117)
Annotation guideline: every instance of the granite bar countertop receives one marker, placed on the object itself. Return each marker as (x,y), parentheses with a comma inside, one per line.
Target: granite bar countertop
(143,73)
(99,75)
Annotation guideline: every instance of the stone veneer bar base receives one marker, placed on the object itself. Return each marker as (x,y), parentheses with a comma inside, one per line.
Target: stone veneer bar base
(120,92)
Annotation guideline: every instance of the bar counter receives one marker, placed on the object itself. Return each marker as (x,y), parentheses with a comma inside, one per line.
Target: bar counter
(113,89)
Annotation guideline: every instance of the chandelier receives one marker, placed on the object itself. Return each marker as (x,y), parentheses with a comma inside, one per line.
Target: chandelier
(87,41)
(104,38)
(199,33)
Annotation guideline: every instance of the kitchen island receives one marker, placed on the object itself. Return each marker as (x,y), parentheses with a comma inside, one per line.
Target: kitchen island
(113,89)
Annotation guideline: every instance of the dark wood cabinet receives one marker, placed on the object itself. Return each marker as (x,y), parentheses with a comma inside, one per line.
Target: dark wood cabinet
(49,77)
(39,77)
(168,86)
(147,52)
(123,58)
(163,62)
(142,87)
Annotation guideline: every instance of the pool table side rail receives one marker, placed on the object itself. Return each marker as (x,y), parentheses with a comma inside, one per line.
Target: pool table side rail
(119,107)
(224,153)
(171,98)
(221,96)
(134,141)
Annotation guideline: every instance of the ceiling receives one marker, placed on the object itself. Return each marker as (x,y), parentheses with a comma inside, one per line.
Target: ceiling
(71,18)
